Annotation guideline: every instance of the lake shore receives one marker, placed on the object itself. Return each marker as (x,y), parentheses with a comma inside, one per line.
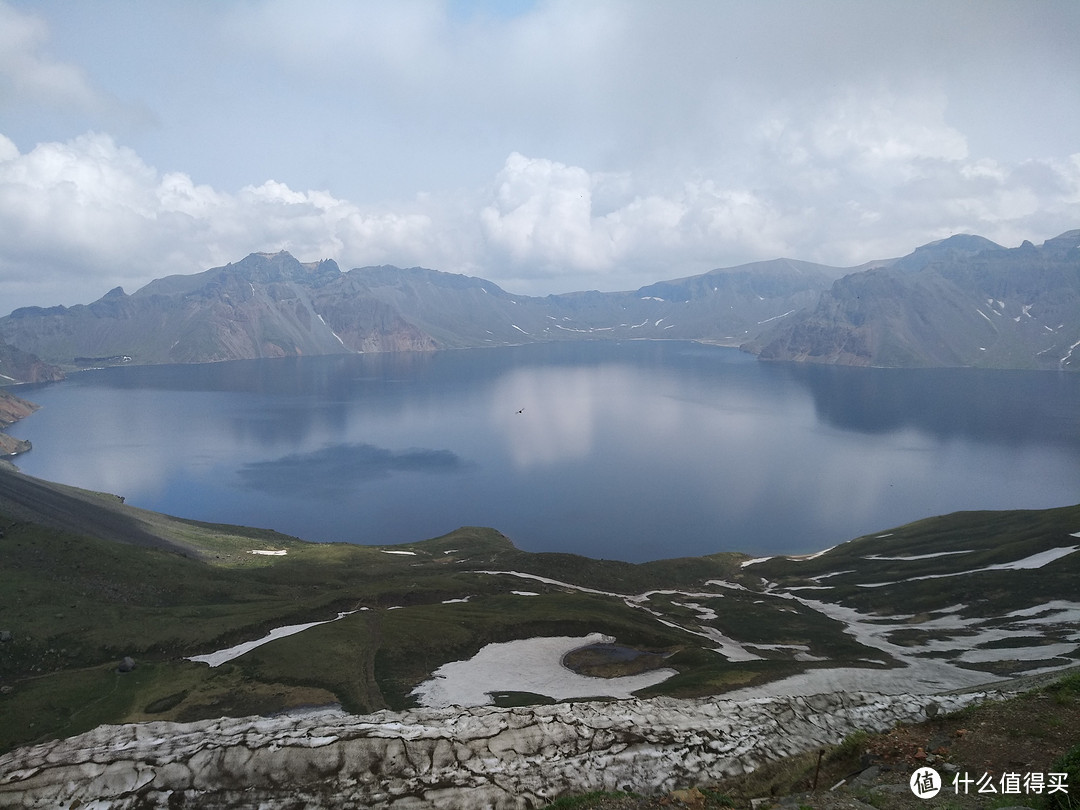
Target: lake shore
(12,409)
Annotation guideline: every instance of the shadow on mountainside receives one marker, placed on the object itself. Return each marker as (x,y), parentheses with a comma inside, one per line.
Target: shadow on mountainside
(75,510)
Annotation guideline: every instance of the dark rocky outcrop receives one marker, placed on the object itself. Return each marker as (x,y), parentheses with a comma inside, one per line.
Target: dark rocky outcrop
(17,366)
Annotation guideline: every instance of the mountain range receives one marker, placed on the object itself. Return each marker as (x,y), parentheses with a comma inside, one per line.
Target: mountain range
(962,301)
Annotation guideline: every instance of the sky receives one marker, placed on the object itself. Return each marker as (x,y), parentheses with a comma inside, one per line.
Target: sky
(547,145)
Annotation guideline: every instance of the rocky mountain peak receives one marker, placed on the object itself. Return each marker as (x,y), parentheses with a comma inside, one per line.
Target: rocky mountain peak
(1060,246)
(959,246)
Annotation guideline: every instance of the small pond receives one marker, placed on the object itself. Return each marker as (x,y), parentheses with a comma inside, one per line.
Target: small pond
(609,660)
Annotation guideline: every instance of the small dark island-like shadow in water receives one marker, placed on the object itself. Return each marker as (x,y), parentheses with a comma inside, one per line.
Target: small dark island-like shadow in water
(337,469)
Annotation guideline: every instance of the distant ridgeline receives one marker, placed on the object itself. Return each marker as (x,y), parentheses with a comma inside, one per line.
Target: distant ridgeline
(962,301)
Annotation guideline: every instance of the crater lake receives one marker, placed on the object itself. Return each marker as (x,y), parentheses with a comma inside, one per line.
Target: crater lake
(635,451)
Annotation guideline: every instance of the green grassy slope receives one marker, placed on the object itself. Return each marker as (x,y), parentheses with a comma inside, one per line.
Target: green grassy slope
(164,589)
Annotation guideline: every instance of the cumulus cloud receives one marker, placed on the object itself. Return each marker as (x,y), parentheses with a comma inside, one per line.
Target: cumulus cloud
(82,216)
(560,146)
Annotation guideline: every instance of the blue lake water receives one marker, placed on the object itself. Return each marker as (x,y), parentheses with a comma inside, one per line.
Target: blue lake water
(633,451)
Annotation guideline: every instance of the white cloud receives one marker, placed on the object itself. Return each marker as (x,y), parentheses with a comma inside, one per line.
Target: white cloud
(542,215)
(561,146)
(83,216)
(28,72)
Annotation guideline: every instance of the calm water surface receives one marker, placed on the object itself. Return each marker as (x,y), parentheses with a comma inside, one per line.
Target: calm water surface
(631,451)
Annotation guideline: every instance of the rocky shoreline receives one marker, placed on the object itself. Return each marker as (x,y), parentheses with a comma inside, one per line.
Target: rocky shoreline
(12,409)
(486,757)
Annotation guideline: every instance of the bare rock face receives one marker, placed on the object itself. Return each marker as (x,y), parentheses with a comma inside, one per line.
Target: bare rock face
(12,409)
(440,758)
(19,366)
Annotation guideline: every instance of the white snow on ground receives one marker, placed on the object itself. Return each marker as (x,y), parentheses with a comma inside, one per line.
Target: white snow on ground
(820,577)
(775,317)
(974,641)
(801,652)
(268,553)
(726,646)
(409,553)
(332,332)
(527,665)
(1057,611)
(1034,561)
(815,555)
(754,561)
(534,665)
(548,581)
(918,556)
(1041,653)
(1068,356)
(706,614)
(218,658)
(919,674)
(919,670)
(720,583)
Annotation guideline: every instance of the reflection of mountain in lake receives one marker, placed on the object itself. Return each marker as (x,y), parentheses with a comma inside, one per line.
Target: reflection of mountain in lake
(631,451)
(1005,407)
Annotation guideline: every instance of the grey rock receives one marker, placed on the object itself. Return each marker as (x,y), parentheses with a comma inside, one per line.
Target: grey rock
(867,776)
(486,757)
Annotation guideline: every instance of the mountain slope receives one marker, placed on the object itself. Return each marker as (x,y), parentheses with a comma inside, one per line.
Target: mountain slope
(17,366)
(962,301)
(262,306)
(956,305)
(270,305)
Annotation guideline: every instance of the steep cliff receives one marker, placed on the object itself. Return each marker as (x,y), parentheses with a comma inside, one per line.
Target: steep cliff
(961,302)
(17,366)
